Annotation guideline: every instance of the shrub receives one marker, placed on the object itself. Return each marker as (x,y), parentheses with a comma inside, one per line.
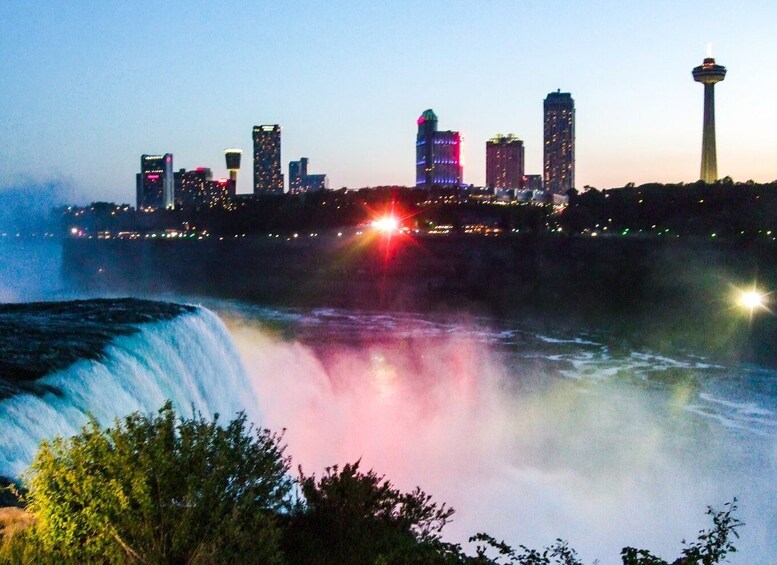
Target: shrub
(161,489)
(348,516)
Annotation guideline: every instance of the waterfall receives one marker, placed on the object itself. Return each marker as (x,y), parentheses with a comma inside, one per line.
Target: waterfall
(189,360)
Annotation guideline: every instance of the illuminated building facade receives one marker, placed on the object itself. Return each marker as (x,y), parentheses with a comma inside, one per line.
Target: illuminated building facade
(218,193)
(268,178)
(438,154)
(154,185)
(198,189)
(315,183)
(533,183)
(297,171)
(300,181)
(709,73)
(192,187)
(559,148)
(504,162)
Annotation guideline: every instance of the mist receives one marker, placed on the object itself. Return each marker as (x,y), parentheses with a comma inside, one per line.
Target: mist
(524,455)
(25,208)
(30,258)
(29,270)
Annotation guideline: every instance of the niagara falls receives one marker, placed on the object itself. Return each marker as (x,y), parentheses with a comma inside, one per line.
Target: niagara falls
(388,283)
(531,435)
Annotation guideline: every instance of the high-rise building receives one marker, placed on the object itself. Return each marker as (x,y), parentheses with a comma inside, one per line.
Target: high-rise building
(314,183)
(298,170)
(154,183)
(268,178)
(438,154)
(559,148)
(218,192)
(233,156)
(192,191)
(708,73)
(300,181)
(504,162)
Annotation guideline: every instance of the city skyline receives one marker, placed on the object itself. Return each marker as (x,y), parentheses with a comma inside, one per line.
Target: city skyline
(80,104)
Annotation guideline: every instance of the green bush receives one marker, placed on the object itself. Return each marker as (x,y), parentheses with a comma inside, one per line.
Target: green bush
(159,489)
(348,516)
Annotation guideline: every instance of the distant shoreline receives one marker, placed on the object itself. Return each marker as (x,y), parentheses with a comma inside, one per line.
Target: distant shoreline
(666,293)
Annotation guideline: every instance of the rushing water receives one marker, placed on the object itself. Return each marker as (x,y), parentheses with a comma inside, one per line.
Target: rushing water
(530,436)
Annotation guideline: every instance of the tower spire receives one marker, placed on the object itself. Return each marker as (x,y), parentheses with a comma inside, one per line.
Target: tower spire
(709,73)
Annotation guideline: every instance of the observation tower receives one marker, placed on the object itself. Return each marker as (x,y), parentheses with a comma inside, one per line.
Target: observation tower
(708,73)
(233,164)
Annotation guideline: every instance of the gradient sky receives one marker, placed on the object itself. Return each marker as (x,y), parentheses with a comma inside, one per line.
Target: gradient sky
(86,87)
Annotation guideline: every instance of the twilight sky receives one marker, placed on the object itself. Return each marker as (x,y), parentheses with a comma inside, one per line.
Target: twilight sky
(87,86)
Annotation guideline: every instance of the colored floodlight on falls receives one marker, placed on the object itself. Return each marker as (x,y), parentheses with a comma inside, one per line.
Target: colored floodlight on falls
(386,224)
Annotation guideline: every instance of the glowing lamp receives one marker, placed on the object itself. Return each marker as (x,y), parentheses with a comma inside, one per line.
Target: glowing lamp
(386,224)
(752,300)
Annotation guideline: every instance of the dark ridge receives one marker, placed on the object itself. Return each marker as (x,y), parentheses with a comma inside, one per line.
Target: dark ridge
(43,337)
(665,294)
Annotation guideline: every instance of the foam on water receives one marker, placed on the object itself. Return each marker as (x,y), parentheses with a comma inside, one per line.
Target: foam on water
(530,437)
(190,360)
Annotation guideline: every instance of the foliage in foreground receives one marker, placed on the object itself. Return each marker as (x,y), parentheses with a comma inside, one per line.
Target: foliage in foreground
(348,516)
(161,489)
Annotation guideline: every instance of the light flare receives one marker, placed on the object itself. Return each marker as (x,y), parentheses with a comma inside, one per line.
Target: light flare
(386,224)
(751,300)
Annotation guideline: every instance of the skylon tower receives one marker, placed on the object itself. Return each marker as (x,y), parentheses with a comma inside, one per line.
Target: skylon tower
(708,73)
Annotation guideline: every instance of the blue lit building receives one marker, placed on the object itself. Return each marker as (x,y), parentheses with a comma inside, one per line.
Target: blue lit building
(315,183)
(298,170)
(300,181)
(438,154)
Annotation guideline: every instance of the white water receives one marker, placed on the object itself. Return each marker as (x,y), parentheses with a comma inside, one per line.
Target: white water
(190,360)
(528,442)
